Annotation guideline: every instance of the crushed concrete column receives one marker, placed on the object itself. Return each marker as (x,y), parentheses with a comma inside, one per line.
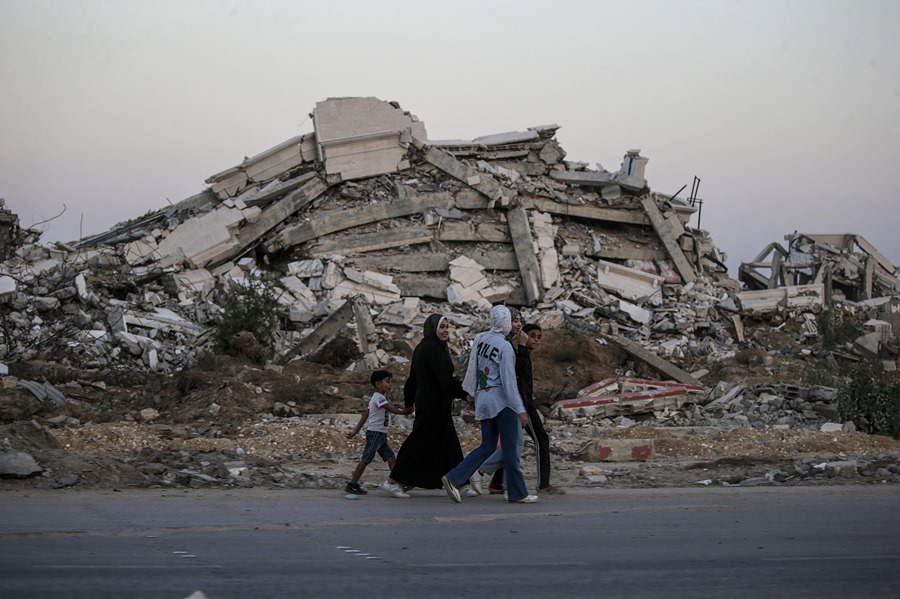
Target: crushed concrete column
(365,327)
(327,330)
(545,231)
(661,226)
(523,243)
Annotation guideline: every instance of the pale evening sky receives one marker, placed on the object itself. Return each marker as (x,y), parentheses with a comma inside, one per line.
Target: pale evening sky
(787,110)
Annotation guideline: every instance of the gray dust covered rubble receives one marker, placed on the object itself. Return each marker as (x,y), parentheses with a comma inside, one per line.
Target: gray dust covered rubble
(656,367)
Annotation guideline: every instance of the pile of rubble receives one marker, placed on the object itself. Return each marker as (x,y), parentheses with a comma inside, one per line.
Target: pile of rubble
(364,226)
(622,403)
(366,208)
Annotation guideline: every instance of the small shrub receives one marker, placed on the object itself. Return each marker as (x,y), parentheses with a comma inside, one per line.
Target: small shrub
(834,331)
(250,306)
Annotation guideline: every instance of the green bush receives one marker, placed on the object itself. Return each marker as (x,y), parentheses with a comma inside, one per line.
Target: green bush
(834,331)
(251,306)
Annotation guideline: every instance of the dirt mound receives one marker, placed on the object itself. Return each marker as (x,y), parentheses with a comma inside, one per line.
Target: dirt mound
(569,360)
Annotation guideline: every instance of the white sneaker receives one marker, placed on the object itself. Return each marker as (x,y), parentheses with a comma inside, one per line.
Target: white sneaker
(475,483)
(394,490)
(452,492)
(470,492)
(527,499)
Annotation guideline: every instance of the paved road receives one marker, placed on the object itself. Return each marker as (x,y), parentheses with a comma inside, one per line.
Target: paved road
(824,542)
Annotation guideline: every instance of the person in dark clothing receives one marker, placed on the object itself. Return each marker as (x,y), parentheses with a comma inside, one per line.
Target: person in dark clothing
(535,429)
(432,448)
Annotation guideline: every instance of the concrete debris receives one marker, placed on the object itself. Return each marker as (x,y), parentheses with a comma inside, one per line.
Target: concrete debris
(365,225)
(621,402)
(620,450)
(845,265)
(610,398)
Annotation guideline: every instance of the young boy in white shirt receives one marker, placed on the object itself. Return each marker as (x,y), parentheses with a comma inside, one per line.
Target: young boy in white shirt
(376,431)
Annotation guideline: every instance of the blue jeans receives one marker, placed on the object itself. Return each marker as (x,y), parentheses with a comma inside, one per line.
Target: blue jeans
(507,426)
(495,462)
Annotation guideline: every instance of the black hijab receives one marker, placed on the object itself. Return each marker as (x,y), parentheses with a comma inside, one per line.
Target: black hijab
(432,324)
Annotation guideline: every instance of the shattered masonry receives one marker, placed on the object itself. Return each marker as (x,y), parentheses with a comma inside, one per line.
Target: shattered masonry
(366,221)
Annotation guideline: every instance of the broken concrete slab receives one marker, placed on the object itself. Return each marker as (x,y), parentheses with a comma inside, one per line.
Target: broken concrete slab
(278,159)
(202,240)
(628,283)
(346,219)
(362,137)
(667,236)
(510,137)
(795,296)
(620,450)
(481,182)
(325,331)
(584,178)
(669,370)
(7,285)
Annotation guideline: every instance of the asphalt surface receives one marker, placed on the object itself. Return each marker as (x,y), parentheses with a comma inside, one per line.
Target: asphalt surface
(797,542)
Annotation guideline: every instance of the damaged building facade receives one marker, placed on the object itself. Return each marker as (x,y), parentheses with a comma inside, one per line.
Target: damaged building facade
(364,226)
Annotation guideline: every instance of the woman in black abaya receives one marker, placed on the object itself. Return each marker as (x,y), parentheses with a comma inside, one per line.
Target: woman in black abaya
(432,448)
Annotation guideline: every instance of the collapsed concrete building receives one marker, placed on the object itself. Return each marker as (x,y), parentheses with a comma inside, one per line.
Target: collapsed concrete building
(846,265)
(837,270)
(365,221)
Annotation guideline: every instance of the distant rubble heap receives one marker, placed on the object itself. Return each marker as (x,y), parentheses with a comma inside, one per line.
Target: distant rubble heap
(365,226)
(841,266)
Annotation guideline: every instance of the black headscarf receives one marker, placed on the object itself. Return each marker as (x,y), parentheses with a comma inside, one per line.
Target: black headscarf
(432,324)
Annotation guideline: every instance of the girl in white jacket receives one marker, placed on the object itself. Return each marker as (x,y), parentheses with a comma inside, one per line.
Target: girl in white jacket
(498,406)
